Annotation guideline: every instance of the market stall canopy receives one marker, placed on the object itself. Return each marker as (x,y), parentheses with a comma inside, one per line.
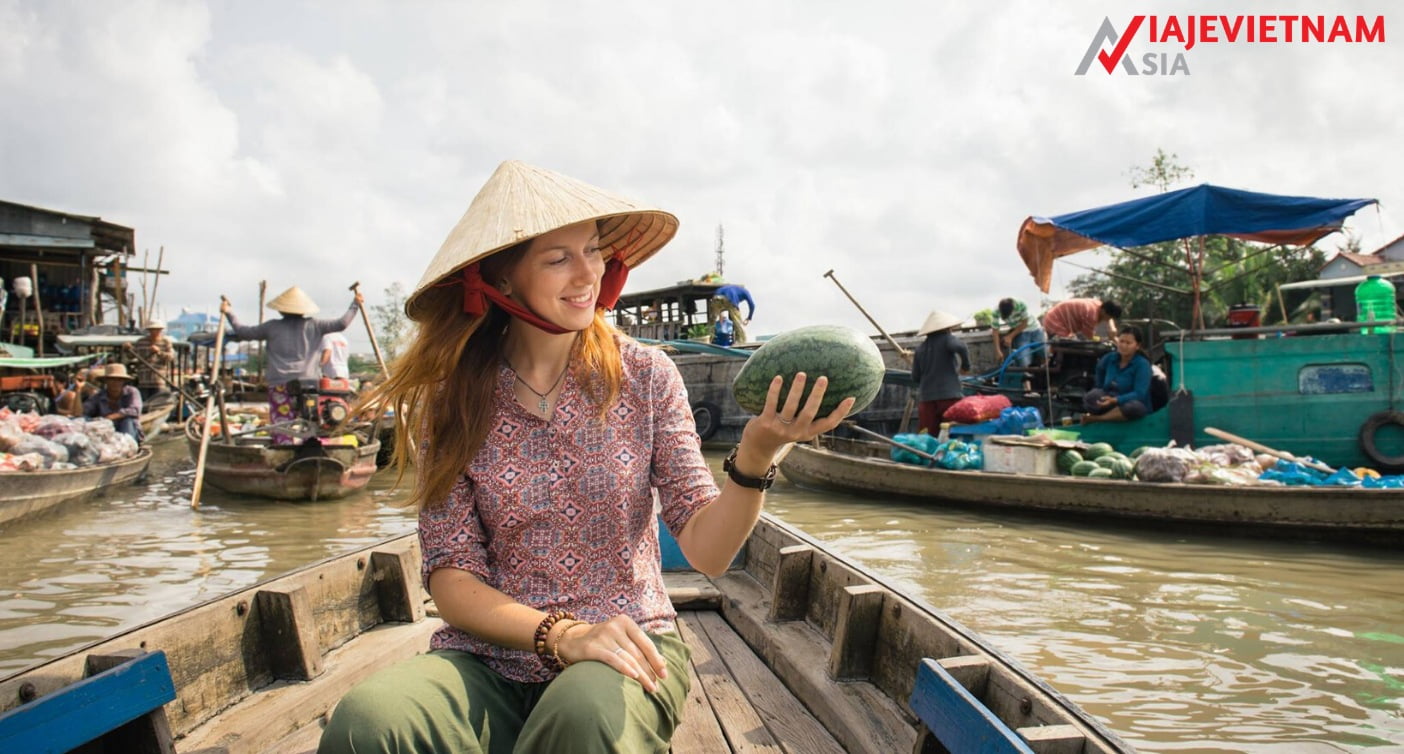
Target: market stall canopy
(44,363)
(1199,211)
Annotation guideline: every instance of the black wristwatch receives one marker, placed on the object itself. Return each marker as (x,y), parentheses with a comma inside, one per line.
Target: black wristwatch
(762,484)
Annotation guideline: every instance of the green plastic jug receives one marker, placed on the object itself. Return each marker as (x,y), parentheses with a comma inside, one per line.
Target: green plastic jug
(1374,302)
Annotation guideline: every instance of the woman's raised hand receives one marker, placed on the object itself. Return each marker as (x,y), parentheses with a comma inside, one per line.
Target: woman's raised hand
(777,425)
(618,643)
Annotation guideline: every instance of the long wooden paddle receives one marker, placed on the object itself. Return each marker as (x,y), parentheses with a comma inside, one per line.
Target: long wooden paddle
(877,436)
(1284,455)
(371,332)
(209,409)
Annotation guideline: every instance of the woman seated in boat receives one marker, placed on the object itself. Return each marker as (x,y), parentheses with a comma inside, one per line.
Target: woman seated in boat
(118,400)
(1123,380)
(543,437)
(294,345)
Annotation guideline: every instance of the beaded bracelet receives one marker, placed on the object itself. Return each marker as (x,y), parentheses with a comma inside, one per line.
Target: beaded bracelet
(556,645)
(544,628)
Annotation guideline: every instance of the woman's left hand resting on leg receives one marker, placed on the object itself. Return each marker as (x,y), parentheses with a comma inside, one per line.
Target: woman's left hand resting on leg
(618,643)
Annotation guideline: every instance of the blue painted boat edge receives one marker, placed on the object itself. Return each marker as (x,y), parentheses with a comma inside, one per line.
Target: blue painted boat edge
(673,558)
(958,720)
(84,711)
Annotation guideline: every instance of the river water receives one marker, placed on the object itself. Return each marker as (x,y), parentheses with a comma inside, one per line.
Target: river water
(1179,642)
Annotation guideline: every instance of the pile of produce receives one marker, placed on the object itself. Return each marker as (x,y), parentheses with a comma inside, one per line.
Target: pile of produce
(34,442)
(953,455)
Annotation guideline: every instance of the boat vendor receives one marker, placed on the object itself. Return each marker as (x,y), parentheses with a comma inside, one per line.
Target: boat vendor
(70,401)
(936,369)
(335,354)
(1122,384)
(155,352)
(728,298)
(293,350)
(1080,318)
(724,332)
(546,437)
(1015,328)
(118,400)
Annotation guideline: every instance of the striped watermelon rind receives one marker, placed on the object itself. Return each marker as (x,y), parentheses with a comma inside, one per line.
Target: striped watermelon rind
(847,357)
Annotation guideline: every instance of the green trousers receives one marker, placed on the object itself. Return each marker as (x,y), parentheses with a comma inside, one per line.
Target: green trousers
(449,701)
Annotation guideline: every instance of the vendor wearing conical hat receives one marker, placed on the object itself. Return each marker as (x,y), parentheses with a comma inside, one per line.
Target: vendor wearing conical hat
(542,434)
(118,400)
(936,369)
(155,354)
(293,351)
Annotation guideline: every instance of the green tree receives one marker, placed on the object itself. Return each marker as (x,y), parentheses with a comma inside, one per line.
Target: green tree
(393,327)
(1154,282)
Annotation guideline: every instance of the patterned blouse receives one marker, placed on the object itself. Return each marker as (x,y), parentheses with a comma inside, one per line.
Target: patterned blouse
(561,515)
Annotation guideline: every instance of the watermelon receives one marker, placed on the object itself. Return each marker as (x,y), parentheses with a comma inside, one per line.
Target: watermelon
(1109,460)
(1097,450)
(1123,468)
(1083,468)
(1099,473)
(1067,459)
(1138,451)
(847,357)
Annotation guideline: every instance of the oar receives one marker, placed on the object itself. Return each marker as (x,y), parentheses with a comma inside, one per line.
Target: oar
(371,332)
(1284,455)
(209,409)
(904,353)
(890,441)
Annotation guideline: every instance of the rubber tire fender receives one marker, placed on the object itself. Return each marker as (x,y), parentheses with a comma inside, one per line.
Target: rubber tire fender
(708,418)
(1367,440)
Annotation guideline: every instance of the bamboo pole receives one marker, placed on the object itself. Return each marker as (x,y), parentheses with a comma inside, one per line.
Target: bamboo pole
(145,271)
(904,353)
(876,436)
(156,284)
(384,371)
(209,409)
(1284,455)
(262,345)
(38,307)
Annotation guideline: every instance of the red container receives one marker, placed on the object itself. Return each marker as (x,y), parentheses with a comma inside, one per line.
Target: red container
(1245,315)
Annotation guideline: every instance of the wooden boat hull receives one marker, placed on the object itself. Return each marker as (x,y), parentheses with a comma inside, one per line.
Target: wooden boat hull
(796,650)
(287,473)
(27,493)
(1373,516)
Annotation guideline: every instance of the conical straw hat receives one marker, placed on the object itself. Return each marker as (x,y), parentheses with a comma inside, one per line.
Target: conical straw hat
(521,201)
(118,371)
(937,321)
(293,301)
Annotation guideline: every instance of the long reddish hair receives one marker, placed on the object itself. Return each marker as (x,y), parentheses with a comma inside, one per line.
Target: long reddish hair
(442,387)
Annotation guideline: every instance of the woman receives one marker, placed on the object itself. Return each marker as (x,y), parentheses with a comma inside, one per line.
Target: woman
(936,369)
(70,401)
(1123,378)
(543,434)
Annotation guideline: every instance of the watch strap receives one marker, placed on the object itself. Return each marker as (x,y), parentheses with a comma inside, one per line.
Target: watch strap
(762,483)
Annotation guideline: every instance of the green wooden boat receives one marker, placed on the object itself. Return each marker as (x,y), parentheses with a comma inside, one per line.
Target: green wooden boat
(1333,396)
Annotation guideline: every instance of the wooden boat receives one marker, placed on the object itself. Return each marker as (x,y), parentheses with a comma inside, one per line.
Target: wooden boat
(26,493)
(1341,513)
(315,470)
(795,650)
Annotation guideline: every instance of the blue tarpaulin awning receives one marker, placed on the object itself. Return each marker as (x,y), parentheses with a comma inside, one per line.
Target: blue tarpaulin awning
(1199,211)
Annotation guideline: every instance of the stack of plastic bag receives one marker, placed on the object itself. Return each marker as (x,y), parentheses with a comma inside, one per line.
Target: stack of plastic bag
(955,455)
(30,442)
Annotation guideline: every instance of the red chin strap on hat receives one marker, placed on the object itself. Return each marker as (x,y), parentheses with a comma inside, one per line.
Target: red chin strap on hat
(477,293)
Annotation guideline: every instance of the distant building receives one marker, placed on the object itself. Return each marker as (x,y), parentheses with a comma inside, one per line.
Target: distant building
(189,322)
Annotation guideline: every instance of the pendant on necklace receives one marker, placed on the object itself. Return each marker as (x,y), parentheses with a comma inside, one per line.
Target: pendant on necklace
(541,405)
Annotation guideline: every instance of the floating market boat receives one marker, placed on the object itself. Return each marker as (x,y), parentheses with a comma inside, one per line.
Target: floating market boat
(27,493)
(796,650)
(1374,516)
(319,468)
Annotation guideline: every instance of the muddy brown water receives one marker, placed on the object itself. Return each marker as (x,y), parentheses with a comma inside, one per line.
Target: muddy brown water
(1179,641)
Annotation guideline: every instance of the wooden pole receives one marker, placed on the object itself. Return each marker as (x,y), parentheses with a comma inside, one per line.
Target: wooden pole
(209,409)
(262,345)
(119,291)
(1284,455)
(384,371)
(156,284)
(919,453)
(145,271)
(38,306)
(904,353)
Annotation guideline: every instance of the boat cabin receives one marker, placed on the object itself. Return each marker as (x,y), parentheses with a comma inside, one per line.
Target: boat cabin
(678,312)
(61,273)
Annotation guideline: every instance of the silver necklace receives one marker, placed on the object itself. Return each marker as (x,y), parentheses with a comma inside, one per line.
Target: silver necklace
(542,405)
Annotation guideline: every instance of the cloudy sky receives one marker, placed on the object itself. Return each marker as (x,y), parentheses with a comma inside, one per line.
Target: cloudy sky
(898,143)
